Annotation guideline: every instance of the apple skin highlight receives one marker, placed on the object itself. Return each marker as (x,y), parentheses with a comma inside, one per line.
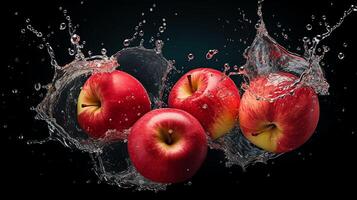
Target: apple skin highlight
(111,100)
(284,124)
(210,96)
(167,145)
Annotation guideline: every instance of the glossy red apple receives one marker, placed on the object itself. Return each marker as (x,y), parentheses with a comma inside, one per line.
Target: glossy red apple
(281,125)
(210,96)
(167,145)
(111,101)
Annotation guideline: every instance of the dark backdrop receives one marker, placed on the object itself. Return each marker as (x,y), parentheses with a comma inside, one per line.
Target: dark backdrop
(326,161)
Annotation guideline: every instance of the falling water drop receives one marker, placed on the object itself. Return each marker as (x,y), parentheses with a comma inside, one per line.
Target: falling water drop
(345,44)
(341,55)
(161,29)
(126,42)
(158,46)
(62,26)
(75,39)
(141,33)
(354,8)
(103,52)
(70,51)
(190,56)
(211,53)
(308,27)
(23,31)
(37,86)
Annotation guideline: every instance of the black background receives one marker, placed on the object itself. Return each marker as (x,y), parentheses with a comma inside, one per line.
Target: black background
(326,161)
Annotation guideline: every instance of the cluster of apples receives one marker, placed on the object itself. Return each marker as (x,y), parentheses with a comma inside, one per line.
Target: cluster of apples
(169,145)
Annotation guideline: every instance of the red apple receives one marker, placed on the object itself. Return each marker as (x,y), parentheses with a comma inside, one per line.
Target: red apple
(210,96)
(111,101)
(167,145)
(281,125)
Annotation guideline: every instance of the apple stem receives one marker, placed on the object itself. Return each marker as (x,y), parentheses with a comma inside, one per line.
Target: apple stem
(268,127)
(169,140)
(190,82)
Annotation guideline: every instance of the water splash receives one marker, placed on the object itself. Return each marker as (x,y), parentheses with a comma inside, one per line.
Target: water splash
(110,159)
(264,57)
(58,108)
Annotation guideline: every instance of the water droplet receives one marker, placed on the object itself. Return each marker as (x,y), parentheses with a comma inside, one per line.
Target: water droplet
(205,106)
(103,52)
(141,33)
(312,17)
(326,48)
(60,8)
(345,44)
(63,26)
(154,5)
(189,183)
(161,29)
(70,51)
(341,56)
(39,34)
(126,42)
(285,36)
(151,9)
(170,131)
(126,119)
(75,39)
(323,17)
(40,46)
(158,46)
(14,91)
(20,137)
(138,114)
(28,20)
(23,31)
(144,21)
(190,56)
(308,27)
(90,53)
(142,14)
(354,8)
(211,53)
